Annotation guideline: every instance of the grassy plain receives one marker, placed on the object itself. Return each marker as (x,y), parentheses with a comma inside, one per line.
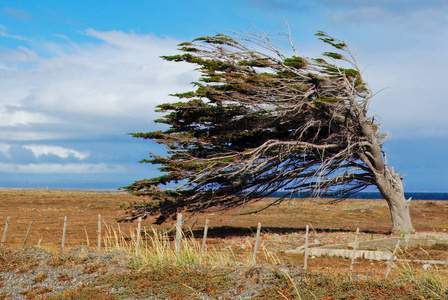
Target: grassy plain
(233,231)
(49,207)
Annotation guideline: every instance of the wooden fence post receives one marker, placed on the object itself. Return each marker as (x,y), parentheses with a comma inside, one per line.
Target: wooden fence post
(63,234)
(27,234)
(178,234)
(99,232)
(139,228)
(305,264)
(204,240)
(257,241)
(391,260)
(4,231)
(354,250)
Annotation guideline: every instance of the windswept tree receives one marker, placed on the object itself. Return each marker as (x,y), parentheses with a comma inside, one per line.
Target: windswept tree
(260,121)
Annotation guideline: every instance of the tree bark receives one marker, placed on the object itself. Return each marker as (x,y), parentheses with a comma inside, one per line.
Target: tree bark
(388,182)
(391,188)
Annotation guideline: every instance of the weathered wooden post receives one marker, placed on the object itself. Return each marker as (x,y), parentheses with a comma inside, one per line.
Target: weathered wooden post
(139,228)
(391,260)
(63,234)
(204,240)
(27,234)
(178,234)
(99,232)
(257,241)
(4,231)
(354,250)
(305,264)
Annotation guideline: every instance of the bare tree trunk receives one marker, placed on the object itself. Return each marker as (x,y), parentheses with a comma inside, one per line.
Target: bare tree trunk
(391,188)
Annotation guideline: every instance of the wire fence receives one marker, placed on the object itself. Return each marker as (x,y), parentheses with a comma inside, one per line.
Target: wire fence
(141,241)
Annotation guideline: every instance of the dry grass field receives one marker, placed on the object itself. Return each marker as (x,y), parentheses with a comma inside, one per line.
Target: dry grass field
(49,207)
(282,225)
(233,231)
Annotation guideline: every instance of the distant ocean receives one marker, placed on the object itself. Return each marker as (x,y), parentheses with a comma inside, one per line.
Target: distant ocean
(376,195)
(414,195)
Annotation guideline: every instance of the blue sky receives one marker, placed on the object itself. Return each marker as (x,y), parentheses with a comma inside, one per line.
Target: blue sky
(77,76)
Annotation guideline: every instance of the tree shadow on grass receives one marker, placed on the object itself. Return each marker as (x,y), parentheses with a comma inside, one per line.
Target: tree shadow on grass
(230,231)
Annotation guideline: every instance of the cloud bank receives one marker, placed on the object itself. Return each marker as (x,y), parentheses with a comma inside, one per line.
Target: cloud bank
(93,91)
(117,76)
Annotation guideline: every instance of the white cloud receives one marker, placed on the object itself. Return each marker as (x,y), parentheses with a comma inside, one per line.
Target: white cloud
(12,118)
(413,102)
(3,33)
(60,168)
(30,135)
(39,150)
(13,59)
(102,85)
(4,148)
(134,42)
(403,46)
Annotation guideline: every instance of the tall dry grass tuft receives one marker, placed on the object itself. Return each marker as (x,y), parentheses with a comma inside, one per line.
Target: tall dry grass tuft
(157,249)
(431,281)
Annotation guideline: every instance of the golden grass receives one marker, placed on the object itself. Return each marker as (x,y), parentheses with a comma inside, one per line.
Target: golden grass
(157,249)
(283,222)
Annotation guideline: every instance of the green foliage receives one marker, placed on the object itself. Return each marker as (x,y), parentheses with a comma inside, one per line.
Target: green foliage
(323,101)
(295,62)
(350,72)
(320,60)
(255,63)
(374,126)
(218,39)
(333,55)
